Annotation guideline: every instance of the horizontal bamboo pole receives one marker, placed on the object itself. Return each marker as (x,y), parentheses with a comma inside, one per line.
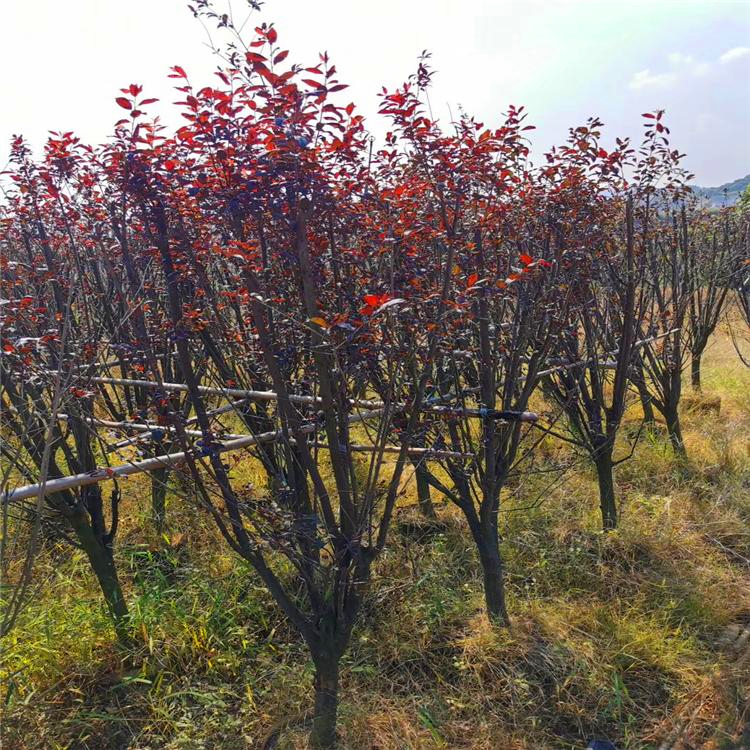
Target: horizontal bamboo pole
(193,420)
(315,400)
(148,428)
(573,365)
(415,452)
(607,365)
(139,427)
(235,392)
(168,460)
(172,460)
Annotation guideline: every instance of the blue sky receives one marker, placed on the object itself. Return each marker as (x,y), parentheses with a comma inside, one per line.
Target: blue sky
(564,60)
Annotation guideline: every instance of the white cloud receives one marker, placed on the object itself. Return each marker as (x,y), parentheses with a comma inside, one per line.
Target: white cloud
(678,60)
(681,66)
(686,64)
(736,53)
(646,79)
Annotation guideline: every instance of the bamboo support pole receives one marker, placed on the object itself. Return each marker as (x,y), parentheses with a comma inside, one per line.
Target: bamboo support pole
(171,460)
(315,400)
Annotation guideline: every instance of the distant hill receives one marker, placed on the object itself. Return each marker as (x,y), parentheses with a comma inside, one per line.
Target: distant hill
(726,194)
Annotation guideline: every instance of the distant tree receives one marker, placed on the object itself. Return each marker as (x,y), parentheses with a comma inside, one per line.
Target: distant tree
(592,365)
(741,275)
(710,258)
(663,223)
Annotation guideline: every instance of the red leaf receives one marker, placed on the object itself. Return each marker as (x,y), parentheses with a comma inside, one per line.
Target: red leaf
(135,89)
(472,280)
(281,56)
(124,103)
(178,72)
(526,259)
(373,302)
(272,35)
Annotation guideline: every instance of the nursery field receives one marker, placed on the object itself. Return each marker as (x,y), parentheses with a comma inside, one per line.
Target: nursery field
(314,438)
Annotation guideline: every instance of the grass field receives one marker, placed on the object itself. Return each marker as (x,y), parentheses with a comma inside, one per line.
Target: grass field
(625,636)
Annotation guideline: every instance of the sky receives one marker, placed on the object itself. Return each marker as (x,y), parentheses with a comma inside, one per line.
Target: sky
(62,63)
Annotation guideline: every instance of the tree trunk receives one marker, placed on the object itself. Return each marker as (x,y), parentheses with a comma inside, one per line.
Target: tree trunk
(695,371)
(674,430)
(426,508)
(494,579)
(607,501)
(158,498)
(648,409)
(323,733)
(102,563)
